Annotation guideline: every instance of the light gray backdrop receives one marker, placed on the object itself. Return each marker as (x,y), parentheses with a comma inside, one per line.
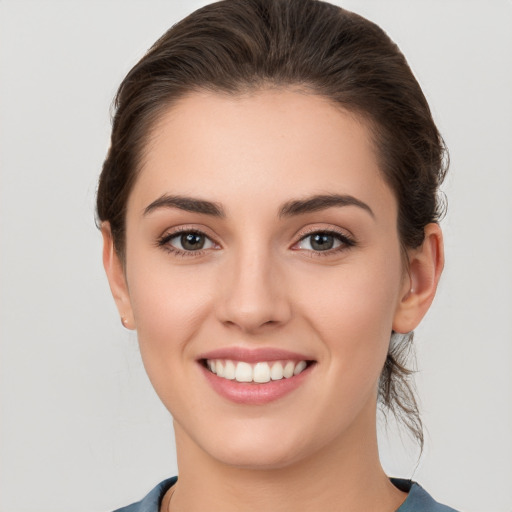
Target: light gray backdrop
(81,429)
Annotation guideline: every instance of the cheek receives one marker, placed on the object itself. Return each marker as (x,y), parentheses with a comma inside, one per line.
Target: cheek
(170,305)
(352,311)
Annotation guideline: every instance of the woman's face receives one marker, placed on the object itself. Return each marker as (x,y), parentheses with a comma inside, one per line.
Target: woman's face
(262,239)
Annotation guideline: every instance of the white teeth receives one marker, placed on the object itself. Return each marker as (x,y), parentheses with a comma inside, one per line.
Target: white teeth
(276,373)
(260,372)
(288,369)
(243,372)
(229,370)
(299,368)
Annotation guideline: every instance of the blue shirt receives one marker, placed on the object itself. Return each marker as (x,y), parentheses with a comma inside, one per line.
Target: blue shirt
(418,500)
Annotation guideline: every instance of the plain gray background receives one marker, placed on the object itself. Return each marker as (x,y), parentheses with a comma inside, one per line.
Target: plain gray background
(81,429)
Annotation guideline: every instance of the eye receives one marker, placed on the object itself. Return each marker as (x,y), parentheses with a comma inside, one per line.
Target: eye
(186,242)
(322,241)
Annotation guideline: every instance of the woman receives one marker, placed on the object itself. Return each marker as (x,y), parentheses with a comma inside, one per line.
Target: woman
(269,212)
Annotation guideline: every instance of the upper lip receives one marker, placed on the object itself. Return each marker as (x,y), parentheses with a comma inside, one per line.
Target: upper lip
(254,355)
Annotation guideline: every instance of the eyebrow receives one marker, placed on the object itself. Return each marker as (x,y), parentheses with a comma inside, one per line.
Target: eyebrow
(321,202)
(188,204)
(289,209)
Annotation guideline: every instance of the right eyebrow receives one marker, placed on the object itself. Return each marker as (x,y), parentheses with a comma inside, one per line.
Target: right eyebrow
(189,204)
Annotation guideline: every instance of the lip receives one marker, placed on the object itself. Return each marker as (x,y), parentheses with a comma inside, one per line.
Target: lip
(254,355)
(254,393)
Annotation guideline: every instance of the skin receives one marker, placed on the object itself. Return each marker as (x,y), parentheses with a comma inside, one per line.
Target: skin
(259,283)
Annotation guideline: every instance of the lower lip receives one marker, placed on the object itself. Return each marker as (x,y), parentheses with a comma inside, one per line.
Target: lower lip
(252,393)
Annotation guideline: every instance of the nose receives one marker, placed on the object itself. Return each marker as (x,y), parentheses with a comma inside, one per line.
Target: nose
(253,293)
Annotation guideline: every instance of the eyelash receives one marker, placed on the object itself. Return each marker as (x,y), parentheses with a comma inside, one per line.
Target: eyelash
(346,242)
(164,240)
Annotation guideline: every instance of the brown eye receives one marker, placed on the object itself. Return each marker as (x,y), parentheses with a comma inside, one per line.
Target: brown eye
(187,241)
(322,241)
(192,241)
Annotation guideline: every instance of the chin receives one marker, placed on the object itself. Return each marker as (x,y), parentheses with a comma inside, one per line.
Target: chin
(256,458)
(261,446)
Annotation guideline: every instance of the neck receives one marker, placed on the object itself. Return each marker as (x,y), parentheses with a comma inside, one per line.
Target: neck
(346,472)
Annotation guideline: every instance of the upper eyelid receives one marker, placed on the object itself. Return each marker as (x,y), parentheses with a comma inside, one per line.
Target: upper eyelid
(311,230)
(178,230)
(330,230)
(344,239)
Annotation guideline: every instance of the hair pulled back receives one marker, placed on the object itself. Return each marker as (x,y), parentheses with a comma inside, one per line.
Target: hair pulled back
(238,46)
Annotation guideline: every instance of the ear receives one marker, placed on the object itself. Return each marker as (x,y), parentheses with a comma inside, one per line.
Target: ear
(116,277)
(425,266)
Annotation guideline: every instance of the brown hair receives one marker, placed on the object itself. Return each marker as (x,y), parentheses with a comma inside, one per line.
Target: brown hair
(236,46)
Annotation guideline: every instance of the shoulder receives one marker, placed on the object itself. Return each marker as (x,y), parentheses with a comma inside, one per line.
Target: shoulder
(418,500)
(151,502)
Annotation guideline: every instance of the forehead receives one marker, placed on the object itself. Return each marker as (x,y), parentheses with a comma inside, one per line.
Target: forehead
(270,144)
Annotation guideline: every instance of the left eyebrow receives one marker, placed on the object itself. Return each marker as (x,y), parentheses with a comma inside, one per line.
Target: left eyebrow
(321,202)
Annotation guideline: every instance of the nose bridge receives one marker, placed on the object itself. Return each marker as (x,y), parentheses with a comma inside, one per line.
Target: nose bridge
(253,291)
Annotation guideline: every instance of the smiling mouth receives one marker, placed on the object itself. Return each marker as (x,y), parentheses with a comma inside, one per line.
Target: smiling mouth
(260,372)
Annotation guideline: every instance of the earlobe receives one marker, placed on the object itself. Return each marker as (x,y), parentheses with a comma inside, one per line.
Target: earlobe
(425,267)
(116,277)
